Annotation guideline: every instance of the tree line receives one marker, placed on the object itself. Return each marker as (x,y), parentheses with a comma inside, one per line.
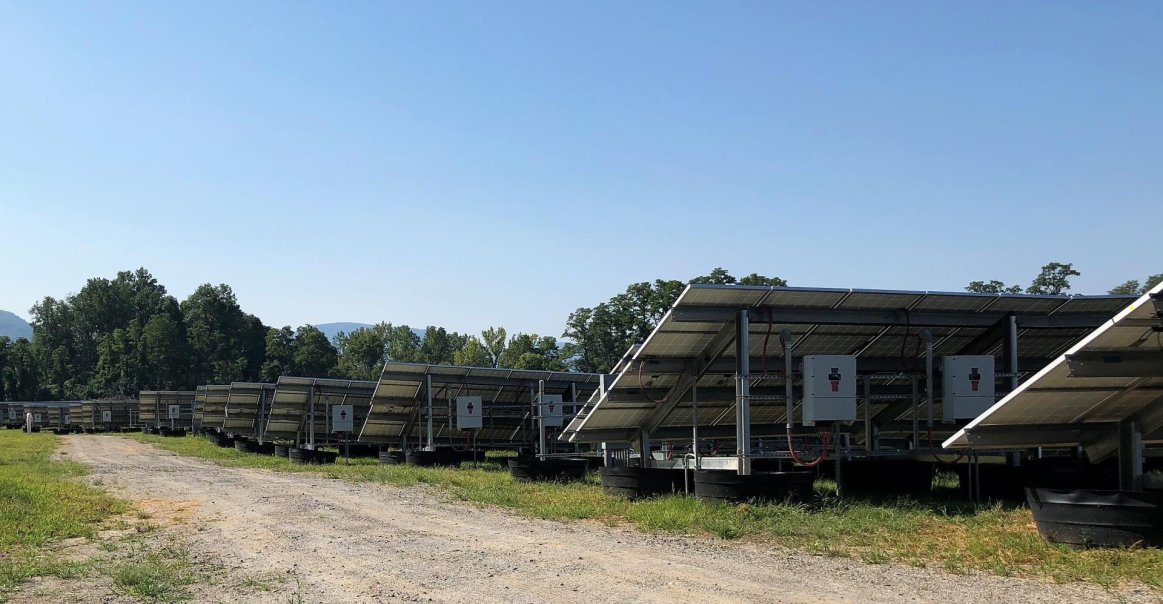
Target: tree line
(123,335)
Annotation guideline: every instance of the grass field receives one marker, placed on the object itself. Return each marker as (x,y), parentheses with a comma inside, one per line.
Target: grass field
(42,503)
(956,535)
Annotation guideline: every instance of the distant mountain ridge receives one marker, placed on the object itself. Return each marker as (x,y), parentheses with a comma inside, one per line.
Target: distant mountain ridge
(332,329)
(13,326)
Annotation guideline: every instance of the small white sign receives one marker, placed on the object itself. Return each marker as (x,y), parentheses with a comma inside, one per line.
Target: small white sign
(36,417)
(342,418)
(175,412)
(107,416)
(68,419)
(551,410)
(468,412)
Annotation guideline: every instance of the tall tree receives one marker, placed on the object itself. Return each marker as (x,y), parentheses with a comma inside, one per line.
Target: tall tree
(314,355)
(226,344)
(531,351)
(993,287)
(280,354)
(1054,279)
(403,344)
(473,354)
(439,346)
(599,336)
(362,353)
(494,339)
(165,354)
(1134,287)
(717,276)
(20,376)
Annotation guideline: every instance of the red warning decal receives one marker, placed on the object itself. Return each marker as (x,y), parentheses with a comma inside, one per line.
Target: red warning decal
(470,406)
(834,378)
(974,379)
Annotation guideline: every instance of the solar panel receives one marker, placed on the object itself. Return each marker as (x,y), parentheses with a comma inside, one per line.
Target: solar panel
(120,413)
(880,327)
(214,406)
(154,407)
(290,405)
(507,395)
(1113,374)
(199,404)
(246,403)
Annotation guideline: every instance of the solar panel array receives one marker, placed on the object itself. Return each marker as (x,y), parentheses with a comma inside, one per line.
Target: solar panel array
(1114,374)
(199,405)
(51,413)
(507,395)
(289,412)
(122,413)
(154,407)
(214,405)
(246,404)
(880,327)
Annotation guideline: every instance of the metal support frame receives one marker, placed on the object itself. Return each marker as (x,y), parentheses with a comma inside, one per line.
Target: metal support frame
(914,389)
(786,337)
(1130,456)
(743,392)
(870,444)
(428,396)
(695,424)
(1012,349)
(644,448)
(311,417)
(890,317)
(927,336)
(541,444)
(260,429)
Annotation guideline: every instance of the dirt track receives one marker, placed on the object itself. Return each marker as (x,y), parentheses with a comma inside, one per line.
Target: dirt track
(338,542)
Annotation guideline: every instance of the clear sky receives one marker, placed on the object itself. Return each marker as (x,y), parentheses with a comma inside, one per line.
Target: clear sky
(470,164)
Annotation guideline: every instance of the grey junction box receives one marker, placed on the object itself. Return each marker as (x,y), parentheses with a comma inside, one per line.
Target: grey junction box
(468,412)
(829,388)
(967,386)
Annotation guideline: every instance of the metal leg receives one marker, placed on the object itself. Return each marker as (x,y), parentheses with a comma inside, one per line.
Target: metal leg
(743,392)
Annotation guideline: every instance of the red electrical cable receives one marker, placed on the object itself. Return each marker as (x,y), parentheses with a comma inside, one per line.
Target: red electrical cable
(643,388)
(959,457)
(825,436)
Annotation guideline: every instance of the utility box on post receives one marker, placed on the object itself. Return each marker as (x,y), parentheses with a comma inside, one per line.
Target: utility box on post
(551,410)
(468,412)
(968,383)
(829,388)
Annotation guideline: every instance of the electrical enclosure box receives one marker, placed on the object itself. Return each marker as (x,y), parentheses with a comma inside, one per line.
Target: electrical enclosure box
(175,412)
(468,412)
(107,417)
(968,383)
(38,418)
(551,410)
(829,388)
(343,418)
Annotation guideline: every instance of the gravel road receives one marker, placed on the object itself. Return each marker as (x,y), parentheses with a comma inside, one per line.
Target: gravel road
(332,541)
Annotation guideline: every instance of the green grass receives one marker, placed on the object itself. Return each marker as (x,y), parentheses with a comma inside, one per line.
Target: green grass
(940,531)
(161,575)
(42,503)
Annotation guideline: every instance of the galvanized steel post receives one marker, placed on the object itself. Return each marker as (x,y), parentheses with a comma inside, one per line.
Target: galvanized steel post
(541,444)
(743,391)
(428,393)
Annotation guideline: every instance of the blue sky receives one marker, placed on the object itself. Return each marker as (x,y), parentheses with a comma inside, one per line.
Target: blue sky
(479,163)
